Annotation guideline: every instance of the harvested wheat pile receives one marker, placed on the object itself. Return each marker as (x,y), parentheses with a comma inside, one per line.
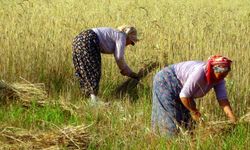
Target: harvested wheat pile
(246,117)
(6,91)
(216,128)
(211,129)
(24,92)
(69,138)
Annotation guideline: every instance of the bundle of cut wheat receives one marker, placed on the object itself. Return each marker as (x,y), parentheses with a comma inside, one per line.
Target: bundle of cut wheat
(25,92)
(215,128)
(69,137)
(246,117)
(6,91)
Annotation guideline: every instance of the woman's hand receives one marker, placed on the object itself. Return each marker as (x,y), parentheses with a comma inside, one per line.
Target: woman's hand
(134,76)
(225,105)
(191,106)
(124,72)
(233,120)
(196,116)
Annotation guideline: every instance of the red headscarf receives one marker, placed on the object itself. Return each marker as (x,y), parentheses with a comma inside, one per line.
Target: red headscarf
(215,60)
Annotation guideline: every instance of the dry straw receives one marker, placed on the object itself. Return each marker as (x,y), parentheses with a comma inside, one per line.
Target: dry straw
(215,128)
(68,137)
(25,92)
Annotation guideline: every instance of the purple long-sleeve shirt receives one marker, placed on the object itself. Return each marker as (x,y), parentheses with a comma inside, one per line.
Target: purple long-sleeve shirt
(192,77)
(113,41)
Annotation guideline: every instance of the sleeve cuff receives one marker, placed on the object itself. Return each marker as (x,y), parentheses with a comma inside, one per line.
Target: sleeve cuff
(184,95)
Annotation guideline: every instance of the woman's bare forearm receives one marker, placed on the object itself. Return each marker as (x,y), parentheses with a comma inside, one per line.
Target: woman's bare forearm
(225,105)
(189,104)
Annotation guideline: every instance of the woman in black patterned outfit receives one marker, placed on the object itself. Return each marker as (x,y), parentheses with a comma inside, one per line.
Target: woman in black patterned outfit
(87,49)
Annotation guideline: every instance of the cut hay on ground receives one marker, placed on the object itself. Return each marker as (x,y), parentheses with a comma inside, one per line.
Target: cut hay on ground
(69,138)
(245,118)
(216,128)
(28,93)
(24,92)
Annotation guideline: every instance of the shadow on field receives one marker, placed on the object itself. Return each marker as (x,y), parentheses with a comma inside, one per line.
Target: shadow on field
(130,86)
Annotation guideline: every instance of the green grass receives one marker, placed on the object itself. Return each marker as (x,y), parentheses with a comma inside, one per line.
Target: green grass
(36,116)
(35,44)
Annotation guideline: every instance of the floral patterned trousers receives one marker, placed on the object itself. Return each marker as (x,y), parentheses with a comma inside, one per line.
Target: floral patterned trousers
(87,61)
(168,112)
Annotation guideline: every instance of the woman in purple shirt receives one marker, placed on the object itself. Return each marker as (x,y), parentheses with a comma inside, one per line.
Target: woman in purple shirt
(175,88)
(87,49)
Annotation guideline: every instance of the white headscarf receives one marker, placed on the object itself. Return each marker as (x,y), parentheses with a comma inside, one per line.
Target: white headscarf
(130,31)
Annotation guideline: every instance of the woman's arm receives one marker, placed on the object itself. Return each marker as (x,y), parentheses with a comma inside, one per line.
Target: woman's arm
(225,105)
(191,106)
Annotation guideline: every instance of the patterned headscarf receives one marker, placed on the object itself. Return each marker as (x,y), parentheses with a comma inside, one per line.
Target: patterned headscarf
(213,61)
(130,31)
